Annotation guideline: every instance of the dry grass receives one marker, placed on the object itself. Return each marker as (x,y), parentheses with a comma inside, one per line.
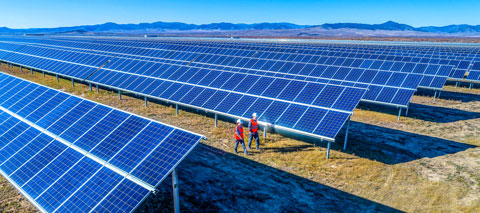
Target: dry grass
(442,182)
(11,200)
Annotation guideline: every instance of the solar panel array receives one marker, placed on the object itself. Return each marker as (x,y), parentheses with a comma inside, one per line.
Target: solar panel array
(396,88)
(474,74)
(460,57)
(293,63)
(407,53)
(68,154)
(195,71)
(384,86)
(456,57)
(310,51)
(280,102)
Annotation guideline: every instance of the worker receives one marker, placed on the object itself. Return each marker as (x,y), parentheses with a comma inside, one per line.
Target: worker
(239,137)
(253,131)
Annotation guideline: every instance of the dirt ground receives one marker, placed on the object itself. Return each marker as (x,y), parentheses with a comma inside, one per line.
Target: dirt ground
(427,161)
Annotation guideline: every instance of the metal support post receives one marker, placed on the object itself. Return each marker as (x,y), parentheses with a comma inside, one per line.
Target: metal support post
(328,149)
(435,95)
(216,120)
(119,95)
(90,85)
(346,134)
(176,109)
(399,113)
(21,69)
(265,131)
(31,70)
(471,84)
(57,78)
(176,198)
(146,102)
(456,84)
(98,90)
(73,83)
(406,113)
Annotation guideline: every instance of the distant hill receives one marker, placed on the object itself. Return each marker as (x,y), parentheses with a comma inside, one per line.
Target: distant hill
(464,28)
(157,27)
(390,25)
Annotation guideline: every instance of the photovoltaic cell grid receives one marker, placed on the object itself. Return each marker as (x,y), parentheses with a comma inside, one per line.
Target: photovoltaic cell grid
(415,52)
(285,62)
(381,52)
(361,53)
(474,74)
(423,54)
(209,90)
(434,77)
(402,83)
(385,87)
(68,154)
(328,57)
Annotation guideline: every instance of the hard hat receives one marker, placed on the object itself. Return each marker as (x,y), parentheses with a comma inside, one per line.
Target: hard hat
(239,121)
(254,115)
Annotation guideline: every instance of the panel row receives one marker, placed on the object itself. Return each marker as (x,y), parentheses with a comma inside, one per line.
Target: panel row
(326,99)
(230,80)
(474,74)
(56,175)
(290,65)
(283,62)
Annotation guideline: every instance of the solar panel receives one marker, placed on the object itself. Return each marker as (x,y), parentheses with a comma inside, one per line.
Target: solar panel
(179,73)
(474,73)
(69,154)
(445,59)
(434,79)
(346,62)
(179,83)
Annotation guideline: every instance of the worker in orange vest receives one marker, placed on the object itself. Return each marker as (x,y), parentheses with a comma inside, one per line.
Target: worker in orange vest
(239,137)
(253,131)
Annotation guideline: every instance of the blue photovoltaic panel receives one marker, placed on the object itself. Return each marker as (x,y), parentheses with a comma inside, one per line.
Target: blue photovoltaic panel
(474,73)
(381,63)
(44,139)
(227,80)
(192,78)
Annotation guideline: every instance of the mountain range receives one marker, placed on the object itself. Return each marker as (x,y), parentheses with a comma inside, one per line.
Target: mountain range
(161,27)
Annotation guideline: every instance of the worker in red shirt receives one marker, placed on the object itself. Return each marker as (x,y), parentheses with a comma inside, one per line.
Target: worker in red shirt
(239,137)
(253,131)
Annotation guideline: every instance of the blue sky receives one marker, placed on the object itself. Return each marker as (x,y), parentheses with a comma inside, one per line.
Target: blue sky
(54,13)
